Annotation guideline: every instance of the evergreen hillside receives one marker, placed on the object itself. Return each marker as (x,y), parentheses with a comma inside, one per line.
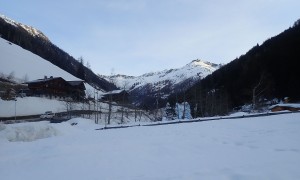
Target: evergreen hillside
(265,72)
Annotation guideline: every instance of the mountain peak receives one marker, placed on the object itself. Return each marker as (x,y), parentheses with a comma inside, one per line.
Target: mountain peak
(205,64)
(31,30)
(162,83)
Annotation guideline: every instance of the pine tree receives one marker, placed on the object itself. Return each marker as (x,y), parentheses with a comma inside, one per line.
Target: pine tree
(80,71)
(169,113)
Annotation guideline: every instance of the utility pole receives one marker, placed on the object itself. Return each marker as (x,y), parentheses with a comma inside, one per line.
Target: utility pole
(97,106)
(177,108)
(183,116)
(15,108)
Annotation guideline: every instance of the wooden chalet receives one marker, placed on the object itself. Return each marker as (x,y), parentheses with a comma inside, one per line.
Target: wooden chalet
(285,107)
(57,87)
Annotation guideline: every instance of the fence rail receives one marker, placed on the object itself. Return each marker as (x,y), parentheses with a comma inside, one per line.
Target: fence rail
(198,120)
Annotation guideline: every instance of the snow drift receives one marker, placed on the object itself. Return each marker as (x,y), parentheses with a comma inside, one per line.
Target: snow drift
(27,131)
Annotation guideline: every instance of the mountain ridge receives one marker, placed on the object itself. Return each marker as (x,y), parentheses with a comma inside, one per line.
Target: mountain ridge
(36,42)
(33,31)
(145,89)
(198,66)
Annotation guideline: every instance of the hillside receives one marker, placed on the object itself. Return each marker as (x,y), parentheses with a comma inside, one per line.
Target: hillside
(144,90)
(265,72)
(26,65)
(36,42)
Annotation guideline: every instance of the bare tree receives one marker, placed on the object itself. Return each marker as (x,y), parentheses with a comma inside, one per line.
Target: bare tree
(112,81)
(70,106)
(258,90)
(88,65)
(89,94)
(184,108)
(11,76)
(25,78)
(125,84)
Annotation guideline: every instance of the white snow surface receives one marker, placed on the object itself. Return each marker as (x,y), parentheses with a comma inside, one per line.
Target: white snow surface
(22,62)
(30,106)
(262,148)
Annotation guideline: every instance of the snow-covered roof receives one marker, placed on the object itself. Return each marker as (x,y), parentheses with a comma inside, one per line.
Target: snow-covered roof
(43,80)
(292,105)
(115,92)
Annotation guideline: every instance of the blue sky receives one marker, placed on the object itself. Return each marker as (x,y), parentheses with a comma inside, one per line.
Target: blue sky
(137,36)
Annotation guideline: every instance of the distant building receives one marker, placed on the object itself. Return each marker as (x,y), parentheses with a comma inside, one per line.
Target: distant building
(285,107)
(9,94)
(119,96)
(57,87)
(286,100)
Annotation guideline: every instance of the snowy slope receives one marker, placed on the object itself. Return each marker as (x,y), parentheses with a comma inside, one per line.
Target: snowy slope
(264,148)
(33,31)
(22,62)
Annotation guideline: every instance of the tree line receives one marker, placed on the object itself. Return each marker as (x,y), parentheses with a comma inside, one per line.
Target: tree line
(265,72)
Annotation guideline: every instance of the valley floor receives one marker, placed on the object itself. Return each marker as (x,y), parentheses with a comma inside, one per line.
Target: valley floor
(249,148)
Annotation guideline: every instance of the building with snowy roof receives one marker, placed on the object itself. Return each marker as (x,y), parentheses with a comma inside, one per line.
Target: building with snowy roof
(57,87)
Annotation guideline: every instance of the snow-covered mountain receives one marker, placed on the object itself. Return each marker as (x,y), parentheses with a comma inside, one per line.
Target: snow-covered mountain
(161,84)
(31,30)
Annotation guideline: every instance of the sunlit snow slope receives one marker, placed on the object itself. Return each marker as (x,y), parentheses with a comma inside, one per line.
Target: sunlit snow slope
(22,62)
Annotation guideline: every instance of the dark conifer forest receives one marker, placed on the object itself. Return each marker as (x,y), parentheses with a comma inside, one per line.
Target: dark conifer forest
(267,71)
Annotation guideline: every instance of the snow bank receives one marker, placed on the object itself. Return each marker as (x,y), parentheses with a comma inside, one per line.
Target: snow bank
(32,131)
(27,131)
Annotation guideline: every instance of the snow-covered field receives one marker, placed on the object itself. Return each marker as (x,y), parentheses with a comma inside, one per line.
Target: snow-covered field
(30,106)
(249,148)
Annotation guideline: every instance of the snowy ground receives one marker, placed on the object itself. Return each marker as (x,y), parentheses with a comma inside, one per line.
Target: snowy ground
(250,148)
(30,106)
